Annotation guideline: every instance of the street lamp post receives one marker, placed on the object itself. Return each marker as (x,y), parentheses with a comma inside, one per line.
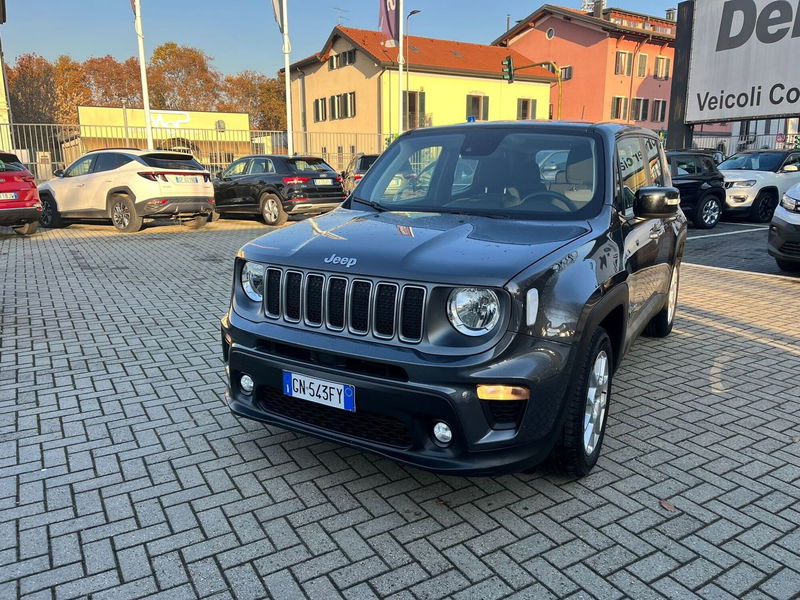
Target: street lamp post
(408,71)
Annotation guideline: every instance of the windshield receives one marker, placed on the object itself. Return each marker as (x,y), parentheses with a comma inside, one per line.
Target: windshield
(366,161)
(302,165)
(491,172)
(753,161)
(9,166)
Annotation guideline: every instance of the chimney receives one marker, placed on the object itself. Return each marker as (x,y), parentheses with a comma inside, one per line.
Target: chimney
(672,14)
(598,9)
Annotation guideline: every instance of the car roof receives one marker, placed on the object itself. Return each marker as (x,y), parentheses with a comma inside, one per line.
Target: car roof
(137,151)
(606,128)
(284,156)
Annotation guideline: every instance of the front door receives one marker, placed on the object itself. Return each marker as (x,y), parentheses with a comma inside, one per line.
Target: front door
(71,190)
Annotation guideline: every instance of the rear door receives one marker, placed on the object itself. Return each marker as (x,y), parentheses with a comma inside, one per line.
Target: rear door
(226,191)
(260,172)
(688,176)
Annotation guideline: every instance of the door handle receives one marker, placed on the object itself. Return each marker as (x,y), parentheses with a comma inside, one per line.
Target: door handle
(80,184)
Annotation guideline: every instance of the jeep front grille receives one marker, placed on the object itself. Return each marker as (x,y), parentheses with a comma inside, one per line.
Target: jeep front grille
(385,310)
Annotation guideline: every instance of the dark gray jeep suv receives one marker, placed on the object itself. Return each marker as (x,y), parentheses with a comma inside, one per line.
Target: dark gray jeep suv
(459,312)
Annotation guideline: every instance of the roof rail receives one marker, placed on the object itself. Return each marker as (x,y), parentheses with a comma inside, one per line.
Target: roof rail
(104,149)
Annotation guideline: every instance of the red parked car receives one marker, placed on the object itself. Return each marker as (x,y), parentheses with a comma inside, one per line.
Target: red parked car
(20,207)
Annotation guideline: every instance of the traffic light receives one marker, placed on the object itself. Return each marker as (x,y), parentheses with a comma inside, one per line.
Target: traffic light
(508,69)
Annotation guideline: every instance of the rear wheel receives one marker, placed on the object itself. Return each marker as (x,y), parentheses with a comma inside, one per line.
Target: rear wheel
(123,215)
(587,413)
(198,222)
(27,229)
(272,210)
(661,324)
(50,216)
(788,266)
(764,207)
(708,212)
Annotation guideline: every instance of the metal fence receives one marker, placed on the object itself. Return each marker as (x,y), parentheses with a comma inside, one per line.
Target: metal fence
(47,147)
(731,144)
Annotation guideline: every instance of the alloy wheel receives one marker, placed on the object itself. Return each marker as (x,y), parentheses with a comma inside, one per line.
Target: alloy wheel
(596,403)
(46,218)
(711,212)
(121,215)
(271,210)
(765,209)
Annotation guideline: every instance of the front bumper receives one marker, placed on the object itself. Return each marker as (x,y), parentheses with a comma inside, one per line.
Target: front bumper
(401,394)
(179,207)
(739,199)
(310,207)
(783,241)
(10,217)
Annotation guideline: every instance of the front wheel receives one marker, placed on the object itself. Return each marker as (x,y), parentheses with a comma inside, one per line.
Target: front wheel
(587,413)
(788,266)
(272,210)
(27,229)
(708,212)
(123,215)
(661,324)
(764,207)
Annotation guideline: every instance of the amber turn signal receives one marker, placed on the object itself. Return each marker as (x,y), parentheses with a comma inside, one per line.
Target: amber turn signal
(503,392)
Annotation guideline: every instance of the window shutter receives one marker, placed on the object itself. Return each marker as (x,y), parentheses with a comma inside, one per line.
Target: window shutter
(421,108)
(645,109)
(628,63)
(532,109)
(666,68)
(332,110)
(485,115)
(406,122)
(469,106)
(353,103)
(520,105)
(624,108)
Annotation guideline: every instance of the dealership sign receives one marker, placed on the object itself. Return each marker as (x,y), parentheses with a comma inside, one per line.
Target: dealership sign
(743,63)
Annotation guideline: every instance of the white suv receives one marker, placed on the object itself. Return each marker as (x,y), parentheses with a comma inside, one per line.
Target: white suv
(756,180)
(128,186)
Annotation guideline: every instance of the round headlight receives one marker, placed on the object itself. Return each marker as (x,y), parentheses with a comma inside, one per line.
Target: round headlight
(473,311)
(253,281)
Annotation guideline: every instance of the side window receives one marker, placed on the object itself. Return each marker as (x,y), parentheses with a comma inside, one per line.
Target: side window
(108,161)
(794,159)
(236,168)
(261,165)
(82,166)
(632,165)
(655,161)
(686,165)
(464,173)
(708,166)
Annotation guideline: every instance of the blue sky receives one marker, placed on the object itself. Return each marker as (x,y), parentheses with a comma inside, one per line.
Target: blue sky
(242,34)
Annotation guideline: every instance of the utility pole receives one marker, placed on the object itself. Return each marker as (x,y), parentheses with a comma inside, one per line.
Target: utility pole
(400,62)
(148,125)
(287,49)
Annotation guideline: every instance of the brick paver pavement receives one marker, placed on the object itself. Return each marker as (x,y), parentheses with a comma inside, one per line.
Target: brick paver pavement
(123,475)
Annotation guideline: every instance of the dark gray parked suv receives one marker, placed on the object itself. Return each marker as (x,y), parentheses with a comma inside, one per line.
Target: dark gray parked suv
(467,321)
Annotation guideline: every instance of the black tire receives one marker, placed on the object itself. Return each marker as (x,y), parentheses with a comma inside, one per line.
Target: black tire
(661,325)
(272,212)
(50,216)
(123,214)
(579,447)
(764,207)
(27,229)
(198,222)
(707,212)
(788,266)
(214,217)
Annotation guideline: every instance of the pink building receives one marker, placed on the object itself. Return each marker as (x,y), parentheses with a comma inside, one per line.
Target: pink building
(616,64)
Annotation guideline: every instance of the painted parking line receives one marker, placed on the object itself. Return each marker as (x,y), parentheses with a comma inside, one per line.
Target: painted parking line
(742,272)
(710,235)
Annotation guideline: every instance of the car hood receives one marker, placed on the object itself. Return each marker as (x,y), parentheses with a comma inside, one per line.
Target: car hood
(746,175)
(432,247)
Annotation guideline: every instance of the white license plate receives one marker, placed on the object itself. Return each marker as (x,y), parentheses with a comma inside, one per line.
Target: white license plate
(186,179)
(9,196)
(320,391)
(324,181)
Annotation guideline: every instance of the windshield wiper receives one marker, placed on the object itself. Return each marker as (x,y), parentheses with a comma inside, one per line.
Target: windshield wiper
(370,203)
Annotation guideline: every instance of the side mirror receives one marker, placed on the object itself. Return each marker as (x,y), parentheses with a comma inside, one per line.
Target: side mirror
(656,202)
(218,175)
(790,169)
(58,172)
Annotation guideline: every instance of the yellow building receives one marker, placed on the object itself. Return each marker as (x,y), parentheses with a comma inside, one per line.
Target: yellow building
(345,99)
(214,138)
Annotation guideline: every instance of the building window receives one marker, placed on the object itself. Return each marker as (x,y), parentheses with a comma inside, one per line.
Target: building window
(662,68)
(414,107)
(478,107)
(526,109)
(320,110)
(551,33)
(342,106)
(623,63)
(640,108)
(641,70)
(659,111)
(566,73)
(337,61)
(619,108)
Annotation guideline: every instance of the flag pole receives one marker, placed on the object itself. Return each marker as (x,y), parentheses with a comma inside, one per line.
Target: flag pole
(287,48)
(401,59)
(148,124)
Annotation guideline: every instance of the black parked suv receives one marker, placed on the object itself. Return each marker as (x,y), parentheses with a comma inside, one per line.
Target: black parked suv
(701,185)
(356,170)
(276,186)
(469,321)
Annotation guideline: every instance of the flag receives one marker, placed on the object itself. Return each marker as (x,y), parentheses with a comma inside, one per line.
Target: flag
(389,21)
(277,8)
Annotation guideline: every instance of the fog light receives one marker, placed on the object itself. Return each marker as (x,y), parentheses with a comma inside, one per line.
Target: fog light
(503,392)
(442,433)
(246,383)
